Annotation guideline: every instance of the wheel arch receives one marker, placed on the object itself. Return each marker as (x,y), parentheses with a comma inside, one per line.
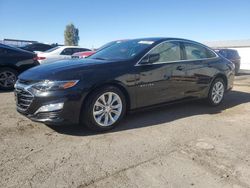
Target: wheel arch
(116,84)
(220,75)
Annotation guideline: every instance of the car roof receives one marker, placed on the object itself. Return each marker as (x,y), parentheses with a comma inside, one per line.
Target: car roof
(38,43)
(13,48)
(161,39)
(69,46)
(226,49)
(63,47)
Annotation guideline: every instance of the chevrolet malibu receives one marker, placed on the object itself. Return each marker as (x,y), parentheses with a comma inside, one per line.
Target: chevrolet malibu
(98,91)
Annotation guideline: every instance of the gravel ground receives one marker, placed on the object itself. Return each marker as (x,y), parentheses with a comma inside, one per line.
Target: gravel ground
(182,145)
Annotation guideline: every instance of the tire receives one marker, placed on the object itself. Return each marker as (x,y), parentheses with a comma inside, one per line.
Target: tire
(98,116)
(8,78)
(216,92)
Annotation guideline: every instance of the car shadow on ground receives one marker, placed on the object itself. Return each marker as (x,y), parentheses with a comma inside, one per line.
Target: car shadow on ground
(7,91)
(164,114)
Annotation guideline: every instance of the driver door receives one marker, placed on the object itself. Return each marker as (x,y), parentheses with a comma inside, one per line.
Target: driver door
(155,83)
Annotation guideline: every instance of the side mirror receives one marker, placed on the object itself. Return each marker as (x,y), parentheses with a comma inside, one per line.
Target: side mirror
(150,58)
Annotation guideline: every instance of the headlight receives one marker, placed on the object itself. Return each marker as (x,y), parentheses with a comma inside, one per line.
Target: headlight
(54,85)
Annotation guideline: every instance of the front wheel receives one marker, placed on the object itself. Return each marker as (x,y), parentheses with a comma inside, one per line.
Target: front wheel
(217,91)
(104,109)
(8,78)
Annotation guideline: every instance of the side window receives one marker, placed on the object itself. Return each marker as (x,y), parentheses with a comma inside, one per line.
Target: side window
(67,51)
(168,51)
(78,50)
(38,47)
(233,54)
(195,52)
(44,48)
(223,53)
(75,50)
(32,47)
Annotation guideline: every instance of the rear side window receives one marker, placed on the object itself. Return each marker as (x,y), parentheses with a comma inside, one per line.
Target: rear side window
(223,53)
(233,54)
(41,47)
(67,51)
(168,51)
(229,54)
(195,52)
(79,50)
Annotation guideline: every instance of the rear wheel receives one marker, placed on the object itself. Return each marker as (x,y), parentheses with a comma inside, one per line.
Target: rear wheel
(104,109)
(217,91)
(8,78)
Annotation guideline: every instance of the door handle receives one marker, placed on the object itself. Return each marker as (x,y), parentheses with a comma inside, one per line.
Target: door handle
(180,68)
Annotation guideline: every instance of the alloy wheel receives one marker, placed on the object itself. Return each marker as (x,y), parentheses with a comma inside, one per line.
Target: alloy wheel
(218,92)
(107,109)
(7,79)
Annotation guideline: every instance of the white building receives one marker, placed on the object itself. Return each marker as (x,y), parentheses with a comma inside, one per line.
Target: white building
(242,46)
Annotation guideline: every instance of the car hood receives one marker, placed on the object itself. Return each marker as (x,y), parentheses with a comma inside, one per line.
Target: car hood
(65,69)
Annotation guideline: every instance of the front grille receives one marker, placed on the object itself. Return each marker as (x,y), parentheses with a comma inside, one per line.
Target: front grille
(23,98)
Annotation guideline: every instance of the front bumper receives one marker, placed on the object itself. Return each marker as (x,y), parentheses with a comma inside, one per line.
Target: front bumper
(53,118)
(69,114)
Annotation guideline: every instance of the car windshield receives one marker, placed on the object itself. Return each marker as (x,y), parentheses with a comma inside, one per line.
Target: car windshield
(122,50)
(107,45)
(53,49)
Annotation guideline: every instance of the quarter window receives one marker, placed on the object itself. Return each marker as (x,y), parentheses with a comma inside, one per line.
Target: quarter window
(168,51)
(195,52)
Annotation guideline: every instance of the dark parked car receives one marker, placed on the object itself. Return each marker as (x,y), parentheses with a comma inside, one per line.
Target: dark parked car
(99,90)
(231,55)
(14,61)
(37,47)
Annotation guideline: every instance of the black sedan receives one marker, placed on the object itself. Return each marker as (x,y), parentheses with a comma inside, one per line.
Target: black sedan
(14,61)
(99,90)
(37,47)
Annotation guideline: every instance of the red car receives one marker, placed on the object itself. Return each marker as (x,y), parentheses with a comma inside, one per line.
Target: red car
(85,54)
(82,54)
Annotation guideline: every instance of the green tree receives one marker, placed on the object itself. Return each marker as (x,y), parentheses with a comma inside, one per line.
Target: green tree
(71,35)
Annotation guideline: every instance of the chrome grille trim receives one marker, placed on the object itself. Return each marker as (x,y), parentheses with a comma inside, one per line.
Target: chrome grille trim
(24,98)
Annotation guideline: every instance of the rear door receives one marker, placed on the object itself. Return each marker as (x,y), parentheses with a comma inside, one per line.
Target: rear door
(198,71)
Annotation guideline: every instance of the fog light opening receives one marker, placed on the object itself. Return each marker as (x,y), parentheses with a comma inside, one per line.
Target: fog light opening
(50,107)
